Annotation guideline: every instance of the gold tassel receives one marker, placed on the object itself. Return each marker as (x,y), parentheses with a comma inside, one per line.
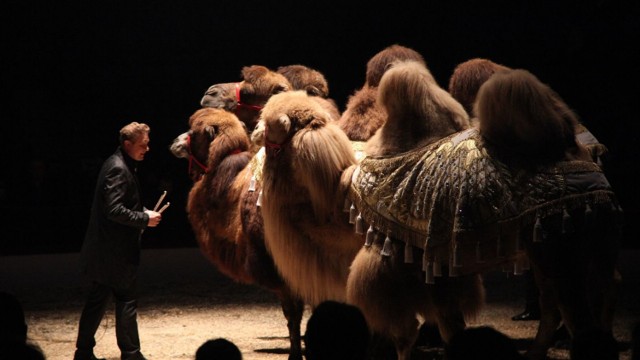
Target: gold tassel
(454,271)
(437,267)
(352,214)
(387,248)
(537,231)
(408,253)
(252,184)
(370,236)
(567,225)
(259,202)
(456,256)
(428,274)
(517,267)
(359,225)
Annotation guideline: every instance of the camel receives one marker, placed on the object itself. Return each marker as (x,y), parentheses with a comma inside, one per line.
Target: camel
(247,97)
(310,241)
(363,115)
(222,208)
(517,188)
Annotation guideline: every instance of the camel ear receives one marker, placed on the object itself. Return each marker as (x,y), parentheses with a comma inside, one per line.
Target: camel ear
(251,73)
(278,130)
(280,88)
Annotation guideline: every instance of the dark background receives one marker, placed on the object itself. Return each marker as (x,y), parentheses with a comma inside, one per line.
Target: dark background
(73,73)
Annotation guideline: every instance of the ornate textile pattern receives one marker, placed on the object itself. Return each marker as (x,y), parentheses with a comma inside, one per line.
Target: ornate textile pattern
(463,207)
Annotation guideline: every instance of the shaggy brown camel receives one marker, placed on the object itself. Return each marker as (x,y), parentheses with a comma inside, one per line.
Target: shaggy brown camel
(223,212)
(466,80)
(311,242)
(477,200)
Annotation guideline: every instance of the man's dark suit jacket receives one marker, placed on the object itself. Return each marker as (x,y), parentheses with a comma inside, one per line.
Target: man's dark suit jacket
(111,250)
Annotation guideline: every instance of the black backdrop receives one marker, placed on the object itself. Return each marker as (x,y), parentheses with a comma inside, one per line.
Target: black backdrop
(73,73)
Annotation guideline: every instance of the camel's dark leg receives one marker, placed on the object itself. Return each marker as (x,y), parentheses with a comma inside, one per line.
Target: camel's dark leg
(549,318)
(293,309)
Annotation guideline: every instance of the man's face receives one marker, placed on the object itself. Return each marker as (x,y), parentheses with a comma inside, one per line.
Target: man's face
(137,148)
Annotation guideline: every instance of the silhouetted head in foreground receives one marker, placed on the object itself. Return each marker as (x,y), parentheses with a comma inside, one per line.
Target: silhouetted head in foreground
(336,331)
(482,343)
(218,349)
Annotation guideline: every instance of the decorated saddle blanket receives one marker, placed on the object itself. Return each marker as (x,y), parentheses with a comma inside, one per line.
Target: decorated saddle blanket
(461,206)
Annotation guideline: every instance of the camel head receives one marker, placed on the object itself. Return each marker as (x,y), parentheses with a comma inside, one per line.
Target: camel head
(467,78)
(382,61)
(213,134)
(247,97)
(304,78)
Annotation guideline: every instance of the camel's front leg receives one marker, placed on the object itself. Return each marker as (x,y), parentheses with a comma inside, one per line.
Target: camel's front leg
(293,309)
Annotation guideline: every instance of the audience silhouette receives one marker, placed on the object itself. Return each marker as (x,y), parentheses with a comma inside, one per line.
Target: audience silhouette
(336,331)
(218,349)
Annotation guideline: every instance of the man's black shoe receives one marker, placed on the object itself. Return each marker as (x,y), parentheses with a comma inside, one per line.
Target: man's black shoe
(90,357)
(526,316)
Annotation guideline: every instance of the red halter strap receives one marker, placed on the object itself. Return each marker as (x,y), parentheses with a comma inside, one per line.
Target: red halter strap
(271,148)
(241,104)
(192,158)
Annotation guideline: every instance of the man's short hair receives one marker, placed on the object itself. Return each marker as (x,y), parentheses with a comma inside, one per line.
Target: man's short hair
(132,130)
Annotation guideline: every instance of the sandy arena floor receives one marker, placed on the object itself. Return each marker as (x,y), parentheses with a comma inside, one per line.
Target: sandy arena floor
(184,301)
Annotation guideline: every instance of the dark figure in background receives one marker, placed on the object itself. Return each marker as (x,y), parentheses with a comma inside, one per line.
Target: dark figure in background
(13,331)
(482,342)
(336,331)
(111,251)
(218,349)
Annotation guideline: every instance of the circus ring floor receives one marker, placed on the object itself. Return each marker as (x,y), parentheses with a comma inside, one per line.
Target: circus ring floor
(184,301)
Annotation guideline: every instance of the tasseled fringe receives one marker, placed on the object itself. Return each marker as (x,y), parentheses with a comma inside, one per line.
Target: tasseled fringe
(347,205)
(408,253)
(387,249)
(479,256)
(537,231)
(518,243)
(252,184)
(588,213)
(428,274)
(567,225)
(259,201)
(359,224)
(370,236)
(456,256)
(518,267)
(437,267)
(353,213)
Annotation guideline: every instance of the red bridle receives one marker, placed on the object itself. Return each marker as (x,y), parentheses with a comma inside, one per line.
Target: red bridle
(193,159)
(273,149)
(241,104)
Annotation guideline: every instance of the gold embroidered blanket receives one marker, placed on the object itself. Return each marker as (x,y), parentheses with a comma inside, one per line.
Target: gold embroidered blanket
(461,206)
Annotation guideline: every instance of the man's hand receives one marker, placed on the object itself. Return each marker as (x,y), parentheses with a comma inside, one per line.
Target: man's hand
(154,218)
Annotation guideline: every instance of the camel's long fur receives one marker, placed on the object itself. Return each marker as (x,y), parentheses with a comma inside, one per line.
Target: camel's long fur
(223,212)
(306,232)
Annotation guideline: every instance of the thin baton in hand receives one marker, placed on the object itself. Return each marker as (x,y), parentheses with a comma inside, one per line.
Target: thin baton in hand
(164,207)
(160,200)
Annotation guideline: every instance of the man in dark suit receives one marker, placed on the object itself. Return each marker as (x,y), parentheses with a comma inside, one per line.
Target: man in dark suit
(111,251)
